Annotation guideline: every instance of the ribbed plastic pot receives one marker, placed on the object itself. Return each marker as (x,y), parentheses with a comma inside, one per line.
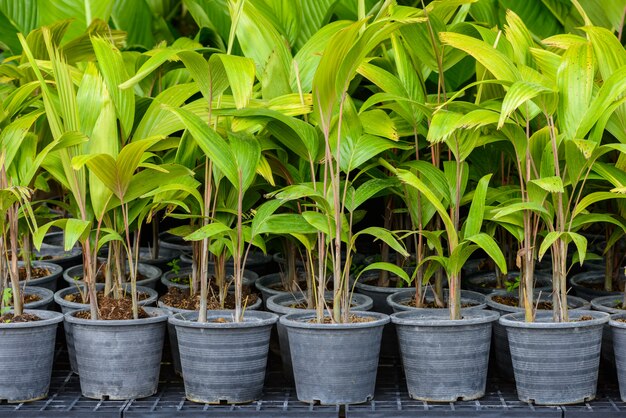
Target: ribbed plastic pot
(580,280)
(555,363)
(249,277)
(119,359)
(500,337)
(74,275)
(607,304)
(618,329)
(282,304)
(397,301)
(171,331)
(223,361)
(445,360)
(26,356)
(67,306)
(46,296)
(334,364)
(485,283)
(379,295)
(49,281)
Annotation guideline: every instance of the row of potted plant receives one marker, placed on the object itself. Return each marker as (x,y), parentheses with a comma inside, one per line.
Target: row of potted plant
(503,141)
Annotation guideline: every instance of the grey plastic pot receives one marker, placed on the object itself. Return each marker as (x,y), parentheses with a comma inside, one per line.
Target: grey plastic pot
(166,255)
(67,306)
(46,296)
(223,361)
(248,279)
(397,301)
(334,363)
(555,363)
(579,282)
(618,330)
(171,331)
(485,283)
(268,284)
(500,337)
(49,281)
(282,304)
(175,243)
(257,262)
(26,356)
(119,359)
(607,304)
(445,360)
(152,274)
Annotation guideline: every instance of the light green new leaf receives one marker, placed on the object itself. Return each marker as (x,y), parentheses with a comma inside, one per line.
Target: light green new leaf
(488,245)
(581,245)
(549,239)
(518,94)
(286,223)
(207,231)
(549,184)
(474,220)
(384,235)
(391,268)
(75,230)
(247,153)
(240,72)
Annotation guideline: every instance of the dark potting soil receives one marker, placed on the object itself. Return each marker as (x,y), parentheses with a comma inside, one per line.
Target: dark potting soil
(78,297)
(31,298)
(35,273)
(10,318)
(584,318)
(506,300)
(181,299)
(352,319)
(111,309)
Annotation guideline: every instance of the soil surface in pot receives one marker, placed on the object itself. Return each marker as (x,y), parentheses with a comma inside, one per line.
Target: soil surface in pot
(181,299)
(352,319)
(10,318)
(513,301)
(432,304)
(618,285)
(111,309)
(35,272)
(78,298)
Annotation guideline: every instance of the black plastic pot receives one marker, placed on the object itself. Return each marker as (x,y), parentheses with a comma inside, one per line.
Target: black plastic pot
(67,306)
(46,296)
(500,337)
(607,304)
(49,281)
(174,243)
(257,262)
(334,363)
(267,286)
(445,360)
(119,359)
(166,255)
(74,275)
(58,255)
(580,281)
(282,304)
(223,361)
(555,363)
(249,277)
(26,356)
(618,329)
(171,331)
(397,301)
(485,283)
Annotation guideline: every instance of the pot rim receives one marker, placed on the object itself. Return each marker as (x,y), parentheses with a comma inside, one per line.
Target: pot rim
(397,297)
(255,306)
(584,304)
(273,303)
(616,324)
(600,304)
(159,315)
(441,319)
(295,320)
(59,294)
(48,318)
(516,320)
(251,319)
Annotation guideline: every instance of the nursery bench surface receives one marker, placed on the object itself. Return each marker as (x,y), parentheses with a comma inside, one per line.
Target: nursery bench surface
(279,400)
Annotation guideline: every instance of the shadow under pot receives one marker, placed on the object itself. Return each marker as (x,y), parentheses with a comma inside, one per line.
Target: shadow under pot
(486,283)
(147,276)
(223,360)
(335,363)
(119,359)
(405,301)
(555,363)
(505,303)
(77,292)
(26,356)
(590,285)
(44,274)
(611,305)
(288,303)
(171,330)
(445,360)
